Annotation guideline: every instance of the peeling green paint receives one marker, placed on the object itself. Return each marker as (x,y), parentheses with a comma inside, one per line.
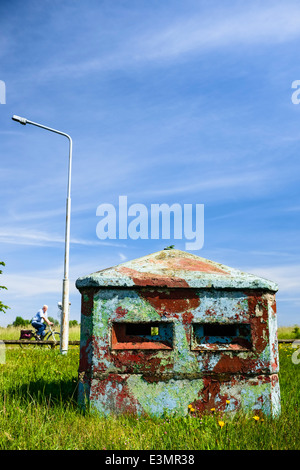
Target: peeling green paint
(136,308)
(164,397)
(252,398)
(100,317)
(184,359)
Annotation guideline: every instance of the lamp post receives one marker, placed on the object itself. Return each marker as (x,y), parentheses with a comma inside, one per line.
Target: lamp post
(64,328)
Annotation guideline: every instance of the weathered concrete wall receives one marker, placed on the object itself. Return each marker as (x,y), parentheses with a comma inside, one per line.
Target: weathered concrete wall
(131,393)
(182,365)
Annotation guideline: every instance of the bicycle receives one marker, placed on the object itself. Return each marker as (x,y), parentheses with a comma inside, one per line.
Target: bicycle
(51,334)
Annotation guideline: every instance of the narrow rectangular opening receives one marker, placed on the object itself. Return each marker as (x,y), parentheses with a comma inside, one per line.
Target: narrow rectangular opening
(137,329)
(216,329)
(218,336)
(142,335)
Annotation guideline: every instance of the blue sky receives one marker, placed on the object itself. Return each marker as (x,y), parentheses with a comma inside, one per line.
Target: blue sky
(166,102)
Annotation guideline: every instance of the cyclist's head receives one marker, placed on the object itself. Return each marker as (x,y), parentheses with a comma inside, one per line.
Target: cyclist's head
(45,308)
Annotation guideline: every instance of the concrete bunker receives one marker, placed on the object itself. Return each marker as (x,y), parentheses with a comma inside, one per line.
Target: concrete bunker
(172,331)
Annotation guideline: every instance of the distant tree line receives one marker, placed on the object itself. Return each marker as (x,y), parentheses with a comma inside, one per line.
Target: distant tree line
(19,321)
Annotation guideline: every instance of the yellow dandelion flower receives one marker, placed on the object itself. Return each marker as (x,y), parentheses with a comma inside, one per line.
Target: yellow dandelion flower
(221,423)
(256,418)
(190,406)
(192,410)
(213,409)
(227,401)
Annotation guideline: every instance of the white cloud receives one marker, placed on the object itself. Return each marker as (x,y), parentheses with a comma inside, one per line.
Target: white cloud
(29,285)
(198,33)
(36,215)
(274,25)
(49,281)
(287,277)
(257,180)
(18,236)
(38,238)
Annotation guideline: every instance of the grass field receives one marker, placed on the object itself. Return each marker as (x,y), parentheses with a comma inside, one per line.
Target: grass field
(38,410)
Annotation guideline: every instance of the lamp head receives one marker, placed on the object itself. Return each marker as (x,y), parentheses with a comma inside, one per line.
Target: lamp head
(19,119)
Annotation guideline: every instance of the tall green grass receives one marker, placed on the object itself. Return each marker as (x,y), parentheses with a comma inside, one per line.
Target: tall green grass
(38,410)
(13,332)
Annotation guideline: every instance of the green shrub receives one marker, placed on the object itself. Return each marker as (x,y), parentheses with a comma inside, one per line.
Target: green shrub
(19,321)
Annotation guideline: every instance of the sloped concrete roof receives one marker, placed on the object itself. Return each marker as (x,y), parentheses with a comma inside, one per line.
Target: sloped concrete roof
(174,268)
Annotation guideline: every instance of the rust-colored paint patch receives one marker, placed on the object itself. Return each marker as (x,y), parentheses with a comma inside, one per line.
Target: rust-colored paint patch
(145,362)
(118,397)
(172,301)
(149,279)
(188,317)
(191,265)
(211,389)
(210,397)
(258,313)
(85,362)
(87,301)
(233,364)
(121,312)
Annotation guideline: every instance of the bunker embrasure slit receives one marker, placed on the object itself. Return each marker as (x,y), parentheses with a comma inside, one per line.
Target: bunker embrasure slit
(142,335)
(221,336)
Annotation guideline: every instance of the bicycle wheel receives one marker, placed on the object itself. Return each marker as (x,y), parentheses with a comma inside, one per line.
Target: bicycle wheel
(53,336)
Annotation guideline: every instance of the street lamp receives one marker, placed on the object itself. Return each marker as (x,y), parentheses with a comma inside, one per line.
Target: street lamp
(64,337)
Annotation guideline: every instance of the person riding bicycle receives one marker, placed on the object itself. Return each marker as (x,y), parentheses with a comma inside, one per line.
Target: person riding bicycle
(39,319)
